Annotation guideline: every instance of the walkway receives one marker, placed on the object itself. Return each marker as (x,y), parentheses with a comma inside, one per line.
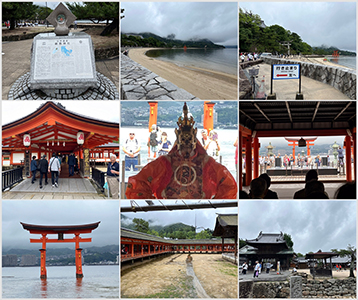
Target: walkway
(16,62)
(287,89)
(263,276)
(49,196)
(66,185)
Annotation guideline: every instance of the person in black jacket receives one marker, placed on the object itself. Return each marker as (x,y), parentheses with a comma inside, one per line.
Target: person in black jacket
(71,164)
(43,167)
(270,194)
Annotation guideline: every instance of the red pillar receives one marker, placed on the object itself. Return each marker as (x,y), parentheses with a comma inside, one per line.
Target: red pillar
(256,157)
(348,158)
(248,160)
(78,259)
(208,122)
(240,160)
(354,140)
(132,250)
(43,274)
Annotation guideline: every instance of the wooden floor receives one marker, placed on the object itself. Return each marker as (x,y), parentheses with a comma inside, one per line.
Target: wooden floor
(57,196)
(65,185)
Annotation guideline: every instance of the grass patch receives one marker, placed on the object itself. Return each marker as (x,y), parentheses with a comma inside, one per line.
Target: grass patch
(228,268)
(184,289)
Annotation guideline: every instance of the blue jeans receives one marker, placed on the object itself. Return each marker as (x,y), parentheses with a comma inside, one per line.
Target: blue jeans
(34,175)
(54,176)
(71,170)
(41,176)
(131,161)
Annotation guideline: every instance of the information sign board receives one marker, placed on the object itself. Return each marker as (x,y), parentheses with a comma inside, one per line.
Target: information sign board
(286,71)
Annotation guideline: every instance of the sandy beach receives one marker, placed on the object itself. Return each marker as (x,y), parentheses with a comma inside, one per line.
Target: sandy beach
(204,84)
(319,60)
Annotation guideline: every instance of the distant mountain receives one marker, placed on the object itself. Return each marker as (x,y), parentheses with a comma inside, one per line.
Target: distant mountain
(148,39)
(324,50)
(62,251)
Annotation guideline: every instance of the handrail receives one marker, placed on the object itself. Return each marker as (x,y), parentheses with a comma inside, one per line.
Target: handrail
(11,177)
(98,177)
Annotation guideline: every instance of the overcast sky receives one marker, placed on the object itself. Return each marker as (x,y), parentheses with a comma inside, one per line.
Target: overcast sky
(313,225)
(59,212)
(204,217)
(102,110)
(216,21)
(328,23)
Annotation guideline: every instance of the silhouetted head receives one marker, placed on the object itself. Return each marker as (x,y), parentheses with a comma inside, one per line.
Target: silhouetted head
(347,191)
(311,175)
(267,178)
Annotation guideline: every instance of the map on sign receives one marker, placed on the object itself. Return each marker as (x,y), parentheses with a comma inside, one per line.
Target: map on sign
(286,71)
(63,58)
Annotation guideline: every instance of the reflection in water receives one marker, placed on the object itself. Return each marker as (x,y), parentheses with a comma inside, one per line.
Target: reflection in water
(222,60)
(44,288)
(79,285)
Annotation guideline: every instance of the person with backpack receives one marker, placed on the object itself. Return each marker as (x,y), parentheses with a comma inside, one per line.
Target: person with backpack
(34,164)
(43,168)
(55,169)
(131,150)
(153,141)
(164,146)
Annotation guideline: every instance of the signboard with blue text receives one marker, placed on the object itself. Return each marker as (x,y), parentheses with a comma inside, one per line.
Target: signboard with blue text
(286,71)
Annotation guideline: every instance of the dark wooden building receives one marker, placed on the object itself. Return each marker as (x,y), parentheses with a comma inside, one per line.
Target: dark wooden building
(268,248)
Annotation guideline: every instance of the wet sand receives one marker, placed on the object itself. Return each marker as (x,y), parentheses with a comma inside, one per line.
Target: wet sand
(167,278)
(202,83)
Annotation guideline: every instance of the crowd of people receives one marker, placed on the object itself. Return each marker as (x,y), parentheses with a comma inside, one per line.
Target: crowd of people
(158,145)
(53,166)
(314,189)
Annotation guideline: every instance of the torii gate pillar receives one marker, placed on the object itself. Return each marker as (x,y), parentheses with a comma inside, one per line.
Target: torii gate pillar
(208,115)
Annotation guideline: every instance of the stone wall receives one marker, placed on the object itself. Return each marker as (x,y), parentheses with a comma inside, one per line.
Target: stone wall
(328,288)
(139,83)
(103,53)
(342,79)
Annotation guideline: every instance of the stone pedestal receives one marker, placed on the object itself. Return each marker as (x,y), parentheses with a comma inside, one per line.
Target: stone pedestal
(296,287)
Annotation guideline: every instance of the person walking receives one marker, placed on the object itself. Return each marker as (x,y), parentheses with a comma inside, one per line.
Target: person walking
(244,268)
(113,176)
(71,165)
(55,169)
(34,164)
(256,269)
(43,167)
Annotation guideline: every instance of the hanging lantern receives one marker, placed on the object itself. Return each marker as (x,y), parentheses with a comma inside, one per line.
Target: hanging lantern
(53,143)
(64,144)
(80,138)
(58,143)
(27,140)
(47,143)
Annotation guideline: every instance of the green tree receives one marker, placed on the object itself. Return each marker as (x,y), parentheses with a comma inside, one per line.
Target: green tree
(141,225)
(43,12)
(97,12)
(16,11)
(351,252)
(204,234)
(288,239)
(242,243)
(300,255)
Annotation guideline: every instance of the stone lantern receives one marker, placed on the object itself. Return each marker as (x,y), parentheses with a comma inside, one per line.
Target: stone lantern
(335,147)
(269,149)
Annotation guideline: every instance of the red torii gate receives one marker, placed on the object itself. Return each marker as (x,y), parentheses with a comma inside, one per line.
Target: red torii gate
(60,231)
(250,139)
(294,141)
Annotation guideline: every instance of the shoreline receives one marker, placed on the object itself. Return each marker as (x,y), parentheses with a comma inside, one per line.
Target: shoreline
(202,83)
(320,61)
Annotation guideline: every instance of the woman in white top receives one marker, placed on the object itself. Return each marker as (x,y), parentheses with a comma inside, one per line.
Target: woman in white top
(213,147)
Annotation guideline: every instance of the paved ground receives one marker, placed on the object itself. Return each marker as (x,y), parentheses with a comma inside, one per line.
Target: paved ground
(263,276)
(16,62)
(57,196)
(66,185)
(287,89)
(286,191)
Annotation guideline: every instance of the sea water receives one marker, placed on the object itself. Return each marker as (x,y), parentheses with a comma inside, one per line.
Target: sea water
(220,60)
(226,139)
(61,282)
(346,61)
